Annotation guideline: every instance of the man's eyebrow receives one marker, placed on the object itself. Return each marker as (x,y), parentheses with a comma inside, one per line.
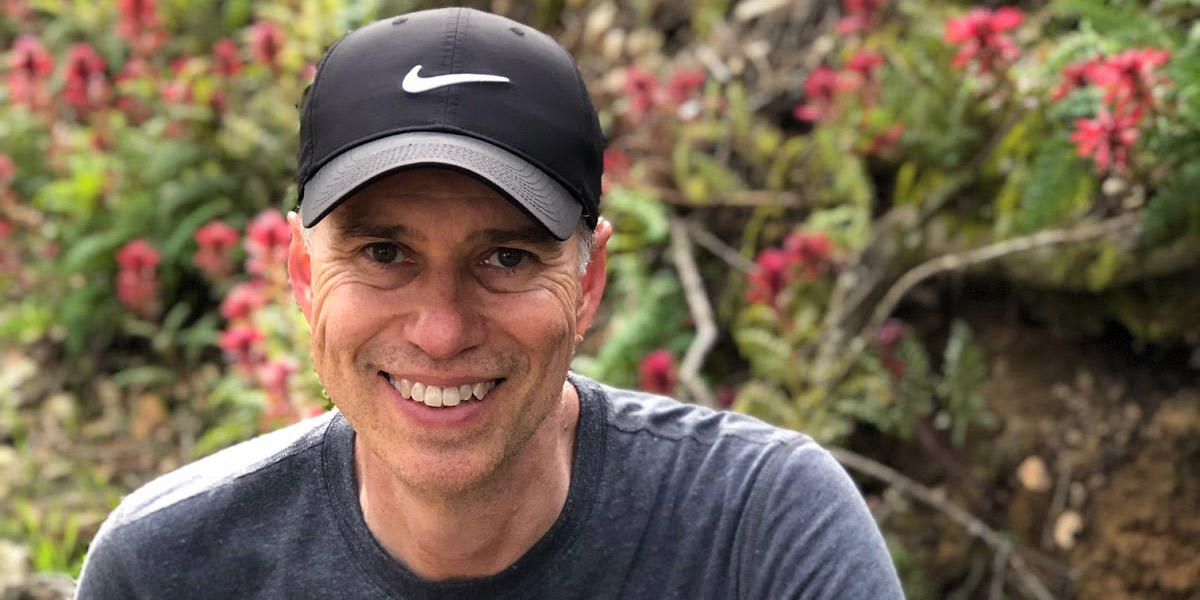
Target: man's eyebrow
(366,229)
(531,235)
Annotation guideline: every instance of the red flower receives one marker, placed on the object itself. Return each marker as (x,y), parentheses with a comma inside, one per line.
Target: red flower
(137,279)
(886,338)
(266,39)
(656,372)
(864,63)
(1107,139)
(140,25)
(243,300)
(1074,76)
(861,15)
(5,229)
(267,240)
(227,58)
(1129,78)
(885,141)
(86,86)
(642,89)
(980,37)
(215,256)
(811,252)
(683,83)
(820,91)
(29,66)
(769,278)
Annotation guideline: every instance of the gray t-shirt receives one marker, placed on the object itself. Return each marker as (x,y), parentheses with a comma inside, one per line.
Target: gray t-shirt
(667,500)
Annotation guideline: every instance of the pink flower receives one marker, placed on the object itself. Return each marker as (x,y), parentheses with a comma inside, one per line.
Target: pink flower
(86,86)
(683,84)
(1107,139)
(5,229)
(216,242)
(241,344)
(1129,78)
(642,89)
(138,256)
(140,25)
(656,372)
(226,57)
(273,376)
(820,92)
(861,15)
(29,66)
(267,240)
(981,38)
(616,167)
(769,278)
(137,280)
(8,170)
(266,39)
(243,300)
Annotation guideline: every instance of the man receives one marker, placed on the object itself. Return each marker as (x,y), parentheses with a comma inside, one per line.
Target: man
(449,256)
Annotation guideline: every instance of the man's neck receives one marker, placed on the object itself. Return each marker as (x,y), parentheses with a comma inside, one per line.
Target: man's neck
(479,533)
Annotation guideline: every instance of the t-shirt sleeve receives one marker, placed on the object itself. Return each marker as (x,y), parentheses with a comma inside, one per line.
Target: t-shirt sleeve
(809,534)
(104,574)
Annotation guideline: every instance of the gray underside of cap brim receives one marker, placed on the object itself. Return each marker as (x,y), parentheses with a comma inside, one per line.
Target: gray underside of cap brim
(538,194)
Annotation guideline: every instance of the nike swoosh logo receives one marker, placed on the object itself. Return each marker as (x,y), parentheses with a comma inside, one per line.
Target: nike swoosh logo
(415,84)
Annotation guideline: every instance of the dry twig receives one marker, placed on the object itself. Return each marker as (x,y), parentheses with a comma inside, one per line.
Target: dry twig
(975,526)
(698,305)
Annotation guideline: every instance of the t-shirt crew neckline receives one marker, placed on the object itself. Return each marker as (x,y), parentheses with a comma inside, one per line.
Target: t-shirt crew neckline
(555,546)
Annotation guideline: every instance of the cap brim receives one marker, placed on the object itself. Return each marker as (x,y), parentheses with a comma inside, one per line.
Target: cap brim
(528,187)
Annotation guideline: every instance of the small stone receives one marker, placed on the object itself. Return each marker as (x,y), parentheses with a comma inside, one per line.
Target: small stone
(1033,475)
(1066,528)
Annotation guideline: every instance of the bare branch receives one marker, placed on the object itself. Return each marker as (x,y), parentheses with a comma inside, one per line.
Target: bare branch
(720,249)
(962,260)
(974,525)
(698,305)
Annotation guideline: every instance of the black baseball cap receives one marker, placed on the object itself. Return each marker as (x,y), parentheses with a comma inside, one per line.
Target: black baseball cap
(460,89)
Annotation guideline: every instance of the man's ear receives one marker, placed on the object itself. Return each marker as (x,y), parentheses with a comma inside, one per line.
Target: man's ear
(300,267)
(593,281)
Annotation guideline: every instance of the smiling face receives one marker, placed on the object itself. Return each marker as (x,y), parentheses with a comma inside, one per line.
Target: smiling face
(426,290)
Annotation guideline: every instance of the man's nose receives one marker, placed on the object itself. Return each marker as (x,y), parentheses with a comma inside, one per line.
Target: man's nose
(446,323)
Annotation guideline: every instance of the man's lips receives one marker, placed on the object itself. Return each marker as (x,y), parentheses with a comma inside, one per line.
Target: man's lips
(441,393)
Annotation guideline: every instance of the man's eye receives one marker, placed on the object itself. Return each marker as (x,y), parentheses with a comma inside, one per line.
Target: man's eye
(383,253)
(507,258)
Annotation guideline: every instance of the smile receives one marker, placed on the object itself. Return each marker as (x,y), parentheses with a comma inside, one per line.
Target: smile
(439,396)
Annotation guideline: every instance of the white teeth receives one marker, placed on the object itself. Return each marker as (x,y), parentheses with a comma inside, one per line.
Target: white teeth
(450,396)
(433,396)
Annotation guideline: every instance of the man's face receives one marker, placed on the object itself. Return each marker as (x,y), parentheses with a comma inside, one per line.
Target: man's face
(430,277)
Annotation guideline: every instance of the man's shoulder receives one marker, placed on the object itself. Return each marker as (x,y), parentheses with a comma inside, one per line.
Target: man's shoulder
(238,463)
(662,417)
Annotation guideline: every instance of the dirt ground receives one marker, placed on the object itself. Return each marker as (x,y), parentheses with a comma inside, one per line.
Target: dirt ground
(1093,469)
